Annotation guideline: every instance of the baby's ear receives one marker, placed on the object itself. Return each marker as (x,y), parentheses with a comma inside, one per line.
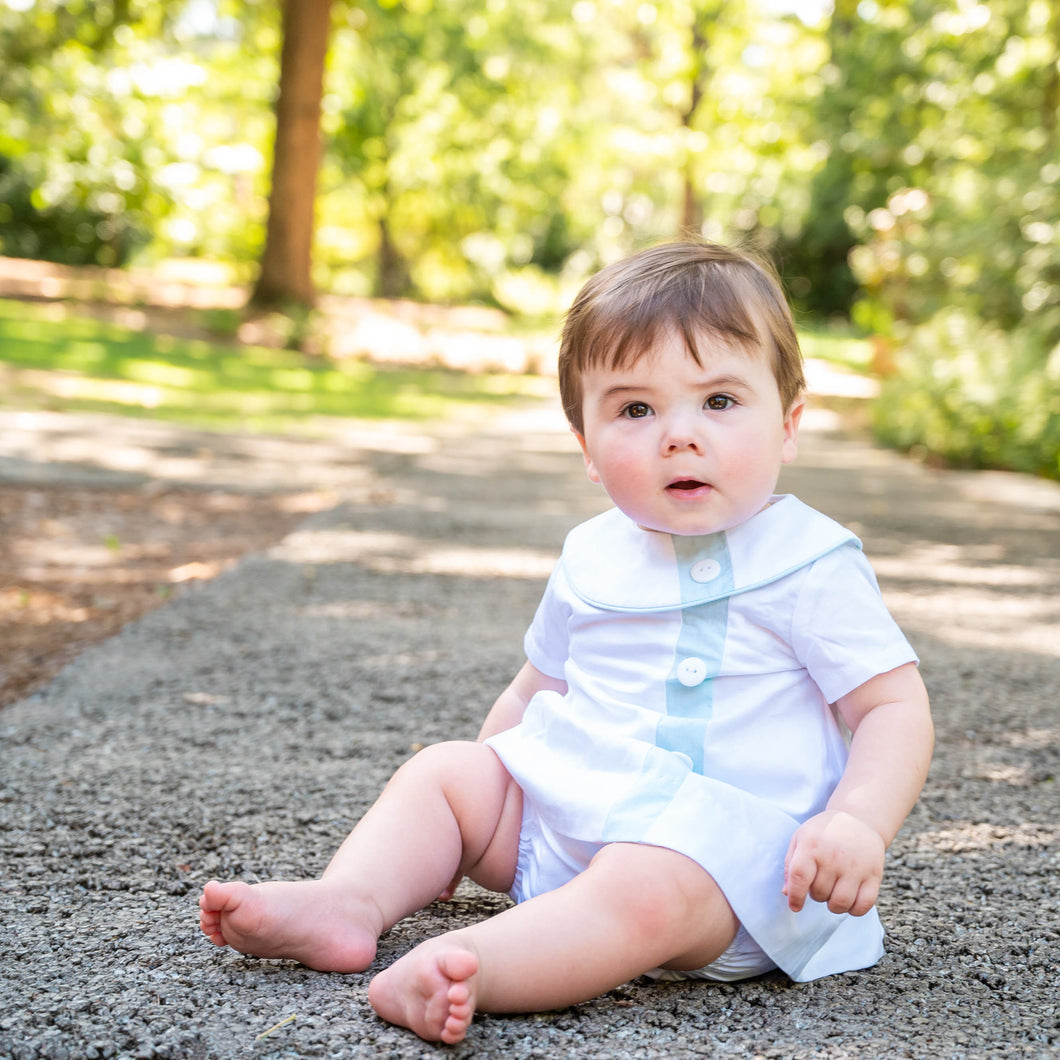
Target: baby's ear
(790,445)
(590,469)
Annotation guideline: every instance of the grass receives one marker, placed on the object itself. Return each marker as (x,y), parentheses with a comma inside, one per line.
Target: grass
(50,358)
(836,345)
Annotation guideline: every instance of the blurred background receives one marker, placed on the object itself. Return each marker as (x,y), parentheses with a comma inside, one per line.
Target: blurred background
(341,179)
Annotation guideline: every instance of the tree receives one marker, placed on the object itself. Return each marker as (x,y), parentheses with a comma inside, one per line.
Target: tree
(70,189)
(953,207)
(286,263)
(453,143)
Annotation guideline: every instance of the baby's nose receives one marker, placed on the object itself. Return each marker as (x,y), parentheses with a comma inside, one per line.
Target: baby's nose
(681,434)
(678,441)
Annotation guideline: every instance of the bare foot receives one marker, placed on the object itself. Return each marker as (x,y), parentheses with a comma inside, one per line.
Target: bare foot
(317,923)
(430,990)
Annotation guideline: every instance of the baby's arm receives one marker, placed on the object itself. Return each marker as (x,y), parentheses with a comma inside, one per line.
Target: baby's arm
(837,857)
(507,711)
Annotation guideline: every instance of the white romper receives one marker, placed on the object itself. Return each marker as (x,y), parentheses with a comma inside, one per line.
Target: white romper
(700,673)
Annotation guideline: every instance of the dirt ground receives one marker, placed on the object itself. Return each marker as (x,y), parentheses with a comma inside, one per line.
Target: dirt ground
(77,564)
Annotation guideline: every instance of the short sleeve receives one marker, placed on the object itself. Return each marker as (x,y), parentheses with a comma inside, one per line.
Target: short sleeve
(547,641)
(842,631)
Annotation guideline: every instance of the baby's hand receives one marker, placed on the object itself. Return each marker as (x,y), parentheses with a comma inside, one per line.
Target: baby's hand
(835,858)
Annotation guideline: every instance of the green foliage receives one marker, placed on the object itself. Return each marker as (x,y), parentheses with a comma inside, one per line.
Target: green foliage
(49,359)
(72,182)
(441,137)
(960,166)
(493,151)
(122,127)
(951,216)
(974,395)
(74,230)
(838,345)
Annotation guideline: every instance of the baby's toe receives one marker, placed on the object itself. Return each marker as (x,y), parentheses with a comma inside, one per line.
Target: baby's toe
(455,1030)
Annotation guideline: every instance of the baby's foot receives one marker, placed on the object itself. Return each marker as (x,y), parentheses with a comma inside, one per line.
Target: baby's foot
(315,922)
(430,990)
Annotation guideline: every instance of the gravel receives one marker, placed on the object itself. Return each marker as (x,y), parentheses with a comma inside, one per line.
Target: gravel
(241,730)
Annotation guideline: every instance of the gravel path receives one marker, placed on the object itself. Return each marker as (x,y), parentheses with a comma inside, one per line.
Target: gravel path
(242,729)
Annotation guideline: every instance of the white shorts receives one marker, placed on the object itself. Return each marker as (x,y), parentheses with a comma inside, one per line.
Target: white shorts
(548,860)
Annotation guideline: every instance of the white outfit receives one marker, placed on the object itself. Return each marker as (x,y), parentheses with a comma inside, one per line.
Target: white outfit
(700,672)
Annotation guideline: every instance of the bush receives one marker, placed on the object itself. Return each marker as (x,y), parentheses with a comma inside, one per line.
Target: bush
(974,396)
(70,232)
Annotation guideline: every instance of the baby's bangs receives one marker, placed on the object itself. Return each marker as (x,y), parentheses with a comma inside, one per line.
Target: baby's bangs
(703,301)
(723,303)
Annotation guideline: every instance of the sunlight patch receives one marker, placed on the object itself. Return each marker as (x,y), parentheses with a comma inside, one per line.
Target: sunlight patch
(970,837)
(392,553)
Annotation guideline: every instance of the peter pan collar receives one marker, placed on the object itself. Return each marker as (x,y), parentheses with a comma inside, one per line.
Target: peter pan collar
(612,563)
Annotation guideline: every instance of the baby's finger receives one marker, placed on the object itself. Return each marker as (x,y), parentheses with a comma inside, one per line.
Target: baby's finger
(798,878)
(867,894)
(824,885)
(842,896)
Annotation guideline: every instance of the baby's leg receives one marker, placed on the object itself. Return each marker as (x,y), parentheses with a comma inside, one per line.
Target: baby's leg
(453,808)
(635,908)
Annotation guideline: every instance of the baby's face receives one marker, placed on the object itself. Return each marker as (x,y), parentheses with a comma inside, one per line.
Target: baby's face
(686,448)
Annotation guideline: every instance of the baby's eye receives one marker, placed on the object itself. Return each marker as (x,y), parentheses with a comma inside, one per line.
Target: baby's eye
(719,402)
(636,410)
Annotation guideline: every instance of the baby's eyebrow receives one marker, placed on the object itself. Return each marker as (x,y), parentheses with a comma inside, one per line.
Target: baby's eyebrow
(621,389)
(729,382)
(721,382)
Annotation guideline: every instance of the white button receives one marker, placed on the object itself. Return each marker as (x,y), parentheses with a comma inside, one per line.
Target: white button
(706,570)
(687,759)
(691,672)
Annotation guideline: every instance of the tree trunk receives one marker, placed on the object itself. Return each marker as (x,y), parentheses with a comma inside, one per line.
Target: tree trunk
(1051,93)
(393,279)
(692,207)
(286,263)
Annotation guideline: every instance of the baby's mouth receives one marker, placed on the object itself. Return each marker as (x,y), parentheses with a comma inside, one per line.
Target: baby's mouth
(686,485)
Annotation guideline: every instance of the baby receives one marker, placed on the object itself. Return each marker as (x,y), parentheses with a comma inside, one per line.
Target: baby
(665,787)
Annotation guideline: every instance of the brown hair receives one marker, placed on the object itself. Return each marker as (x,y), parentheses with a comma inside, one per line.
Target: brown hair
(693,287)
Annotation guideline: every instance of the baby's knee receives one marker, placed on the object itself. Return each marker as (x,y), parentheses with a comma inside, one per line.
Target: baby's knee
(454,761)
(450,753)
(658,886)
(444,751)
